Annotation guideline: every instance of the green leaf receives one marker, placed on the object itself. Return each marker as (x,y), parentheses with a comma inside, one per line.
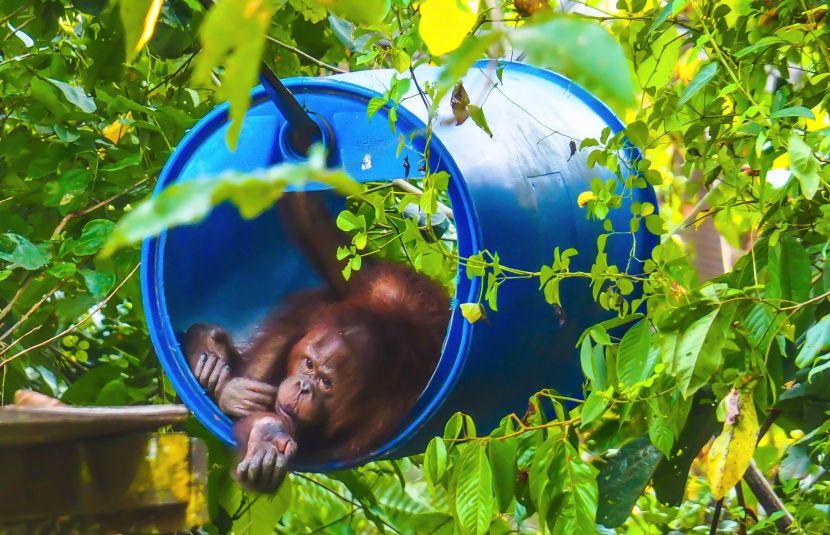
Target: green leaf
(190,201)
(795,111)
(671,8)
(502,455)
(233,34)
(576,509)
(75,95)
(474,501)
(659,431)
(20,252)
(788,271)
(360,11)
(93,237)
(375,105)
(633,353)
(623,479)
(703,76)
(61,270)
(816,338)
(479,119)
(435,460)
(67,188)
(699,349)
(401,61)
(654,224)
(98,282)
(347,221)
(594,407)
(583,51)
(803,165)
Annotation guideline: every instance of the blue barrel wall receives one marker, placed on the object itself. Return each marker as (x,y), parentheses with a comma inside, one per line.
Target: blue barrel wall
(514,194)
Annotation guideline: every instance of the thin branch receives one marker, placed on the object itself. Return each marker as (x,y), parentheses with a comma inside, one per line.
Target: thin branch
(766,496)
(85,211)
(72,327)
(28,314)
(15,297)
(713,529)
(306,55)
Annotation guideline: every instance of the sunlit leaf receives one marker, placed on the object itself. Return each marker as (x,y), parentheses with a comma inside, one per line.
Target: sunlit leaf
(445,23)
(803,165)
(703,76)
(139,18)
(730,454)
(359,11)
(233,36)
(75,95)
(20,252)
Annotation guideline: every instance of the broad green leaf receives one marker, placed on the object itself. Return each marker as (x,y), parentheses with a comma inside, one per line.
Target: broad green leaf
(20,252)
(698,352)
(576,509)
(795,111)
(98,282)
(435,460)
(139,18)
(348,221)
(61,270)
(803,165)
(75,95)
(472,312)
(671,8)
(189,202)
(594,407)
(816,338)
(633,353)
(660,432)
(445,23)
(93,237)
(375,105)
(581,50)
(703,76)
(474,500)
(359,11)
(788,271)
(233,35)
(502,454)
(478,117)
(730,454)
(67,188)
(623,478)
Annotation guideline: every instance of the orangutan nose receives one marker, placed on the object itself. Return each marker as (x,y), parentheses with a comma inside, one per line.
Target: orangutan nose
(305,386)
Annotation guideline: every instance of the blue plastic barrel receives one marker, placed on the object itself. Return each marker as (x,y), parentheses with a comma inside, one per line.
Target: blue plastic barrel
(514,194)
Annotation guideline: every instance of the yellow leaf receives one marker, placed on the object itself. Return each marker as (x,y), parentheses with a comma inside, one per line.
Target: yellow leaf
(117,129)
(472,312)
(445,23)
(139,18)
(585,197)
(732,450)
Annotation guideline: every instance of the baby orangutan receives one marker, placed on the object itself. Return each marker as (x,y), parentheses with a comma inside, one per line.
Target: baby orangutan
(330,374)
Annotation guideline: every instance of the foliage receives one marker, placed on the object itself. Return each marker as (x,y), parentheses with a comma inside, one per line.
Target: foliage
(730,112)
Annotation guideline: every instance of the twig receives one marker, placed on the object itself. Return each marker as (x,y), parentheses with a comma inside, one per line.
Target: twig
(28,313)
(739,491)
(766,496)
(354,503)
(306,55)
(72,327)
(716,517)
(15,297)
(85,211)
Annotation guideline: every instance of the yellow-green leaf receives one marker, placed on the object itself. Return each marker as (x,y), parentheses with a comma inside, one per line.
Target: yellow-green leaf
(233,35)
(139,18)
(359,11)
(472,312)
(732,451)
(445,23)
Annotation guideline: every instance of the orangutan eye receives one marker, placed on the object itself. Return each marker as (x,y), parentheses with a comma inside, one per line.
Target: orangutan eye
(308,364)
(326,383)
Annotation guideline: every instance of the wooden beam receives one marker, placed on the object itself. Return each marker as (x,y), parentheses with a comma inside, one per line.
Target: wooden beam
(136,482)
